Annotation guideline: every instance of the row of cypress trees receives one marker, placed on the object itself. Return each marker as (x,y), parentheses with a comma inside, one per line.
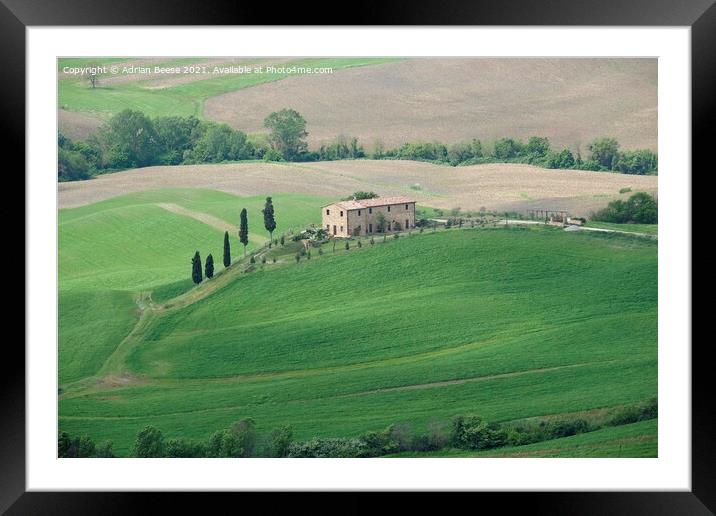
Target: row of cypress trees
(269,224)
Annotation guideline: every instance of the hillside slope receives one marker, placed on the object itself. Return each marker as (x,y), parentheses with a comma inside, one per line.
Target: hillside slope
(507,323)
(571,101)
(499,186)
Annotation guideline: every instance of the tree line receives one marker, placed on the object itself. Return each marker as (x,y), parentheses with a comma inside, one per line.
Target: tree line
(208,270)
(640,208)
(131,139)
(466,432)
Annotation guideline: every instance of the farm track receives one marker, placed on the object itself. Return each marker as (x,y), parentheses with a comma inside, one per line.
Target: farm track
(430,385)
(206,218)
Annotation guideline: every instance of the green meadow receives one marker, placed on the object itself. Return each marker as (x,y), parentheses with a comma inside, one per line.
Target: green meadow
(182,99)
(507,323)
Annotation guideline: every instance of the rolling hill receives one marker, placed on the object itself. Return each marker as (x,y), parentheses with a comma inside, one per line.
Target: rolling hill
(571,101)
(404,331)
(499,186)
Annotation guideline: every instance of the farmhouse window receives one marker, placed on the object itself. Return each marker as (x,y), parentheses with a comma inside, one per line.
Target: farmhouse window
(328,227)
(334,229)
(388,208)
(341,214)
(370,210)
(406,206)
(328,212)
(407,224)
(341,229)
(359,213)
(370,228)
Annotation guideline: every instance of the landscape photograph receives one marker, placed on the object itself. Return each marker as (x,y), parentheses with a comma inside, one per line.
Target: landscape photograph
(347,257)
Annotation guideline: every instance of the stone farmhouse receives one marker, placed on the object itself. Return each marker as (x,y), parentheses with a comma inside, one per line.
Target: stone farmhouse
(361,217)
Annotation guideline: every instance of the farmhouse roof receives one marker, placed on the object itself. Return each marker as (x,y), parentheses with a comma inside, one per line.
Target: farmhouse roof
(370,203)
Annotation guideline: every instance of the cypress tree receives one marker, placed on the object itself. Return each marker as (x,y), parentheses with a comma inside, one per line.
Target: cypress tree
(244,230)
(209,268)
(269,220)
(196,268)
(227,250)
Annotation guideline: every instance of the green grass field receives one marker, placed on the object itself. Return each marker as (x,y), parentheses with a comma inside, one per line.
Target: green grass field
(113,250)
(184,99)
(507,323)
(649,229)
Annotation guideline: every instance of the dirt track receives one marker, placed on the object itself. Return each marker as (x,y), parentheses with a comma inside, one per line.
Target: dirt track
(501,187)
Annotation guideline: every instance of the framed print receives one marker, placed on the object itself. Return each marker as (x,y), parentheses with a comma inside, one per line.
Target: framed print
(366,258)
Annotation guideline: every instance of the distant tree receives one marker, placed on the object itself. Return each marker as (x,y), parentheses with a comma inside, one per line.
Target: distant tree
(537,147)
(130,140)
(209,267)
(288,133)
(361,195)
(244,230)
(149,443)
(227,250)
(563,159)
(269,220)
(604,151)
(104,449)
(196,268)
(280,440)
(93,78)
(282,240)
(71,166)
(508,148)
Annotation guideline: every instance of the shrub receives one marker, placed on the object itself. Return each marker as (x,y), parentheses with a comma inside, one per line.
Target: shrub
(298,257)
(348,245)
(252,259)
(359,244)
(472,432)
(635,413)
(328,448)
(396,236)
(149,443)
(280,440)
(372,241)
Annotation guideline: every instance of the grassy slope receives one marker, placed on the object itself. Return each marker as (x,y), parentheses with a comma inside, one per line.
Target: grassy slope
(111,250)
(575,329)
(634,440)
(180,100)
(649,229)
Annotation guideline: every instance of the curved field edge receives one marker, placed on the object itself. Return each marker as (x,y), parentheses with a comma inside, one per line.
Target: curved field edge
(181,99)
(371,402)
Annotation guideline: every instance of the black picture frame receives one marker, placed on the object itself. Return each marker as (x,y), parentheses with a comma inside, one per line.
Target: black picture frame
(700,15)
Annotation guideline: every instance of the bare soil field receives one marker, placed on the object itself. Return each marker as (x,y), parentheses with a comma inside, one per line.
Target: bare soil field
(499,187)
(571,101)
(76,125)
